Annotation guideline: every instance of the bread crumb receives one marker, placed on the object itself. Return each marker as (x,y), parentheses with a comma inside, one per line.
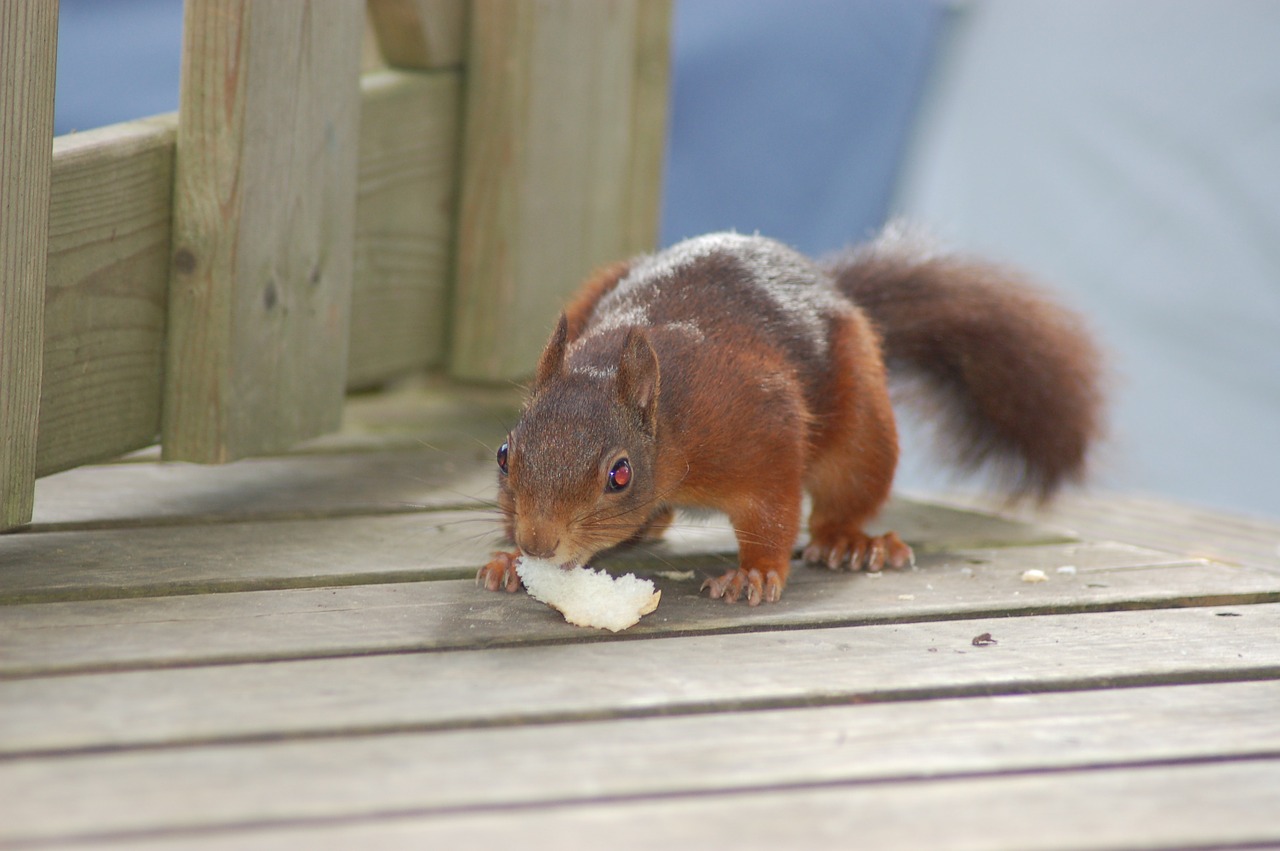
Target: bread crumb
(1034,575)
(1067,570)
(587,597)
(906,596)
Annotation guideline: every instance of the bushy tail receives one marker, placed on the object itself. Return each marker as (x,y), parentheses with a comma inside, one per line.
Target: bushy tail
(1012,378)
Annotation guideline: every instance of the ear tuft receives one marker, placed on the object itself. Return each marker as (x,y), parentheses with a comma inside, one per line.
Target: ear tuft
(551,362)
(638,378)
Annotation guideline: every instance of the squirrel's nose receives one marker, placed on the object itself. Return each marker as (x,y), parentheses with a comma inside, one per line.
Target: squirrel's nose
(537,543)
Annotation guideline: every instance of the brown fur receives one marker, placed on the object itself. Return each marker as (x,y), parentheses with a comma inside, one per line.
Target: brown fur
(1013,377)
(732,374)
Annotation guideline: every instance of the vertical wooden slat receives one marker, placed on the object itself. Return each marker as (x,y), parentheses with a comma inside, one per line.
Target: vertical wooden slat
(555,178)
(28,54)
(650,96)
(265,182)
(420,34)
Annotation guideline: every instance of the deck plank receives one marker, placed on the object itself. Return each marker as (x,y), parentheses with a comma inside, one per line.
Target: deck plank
(1209,805)
(206,788)
(290,652)
(1157,522)
(367,520)
(340,620)
(677,675)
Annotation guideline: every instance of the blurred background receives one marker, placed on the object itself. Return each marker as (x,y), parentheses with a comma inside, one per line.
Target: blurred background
(1127,152)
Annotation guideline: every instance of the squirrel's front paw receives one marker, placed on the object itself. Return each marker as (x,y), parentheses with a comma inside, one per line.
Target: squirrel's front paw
(766,587)
(500,573)
(859,551)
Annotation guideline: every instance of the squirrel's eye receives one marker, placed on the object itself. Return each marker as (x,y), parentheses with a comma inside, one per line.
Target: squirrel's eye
(503,450)
(620,475)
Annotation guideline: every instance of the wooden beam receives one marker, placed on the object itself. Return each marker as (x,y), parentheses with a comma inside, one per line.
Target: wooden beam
(28,59)
(409,133)
(106,293)
(420,34)
(561,155)
(265,185)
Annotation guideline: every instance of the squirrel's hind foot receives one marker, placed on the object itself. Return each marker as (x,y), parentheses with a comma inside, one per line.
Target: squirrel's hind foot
(859,551)
(759,587)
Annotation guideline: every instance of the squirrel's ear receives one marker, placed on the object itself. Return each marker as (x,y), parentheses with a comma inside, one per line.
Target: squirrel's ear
(552,360)
(638,377)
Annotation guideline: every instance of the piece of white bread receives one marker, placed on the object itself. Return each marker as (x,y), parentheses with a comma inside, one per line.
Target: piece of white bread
(588,597)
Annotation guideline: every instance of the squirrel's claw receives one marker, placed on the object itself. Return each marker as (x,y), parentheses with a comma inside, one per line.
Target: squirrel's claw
(500,573)
(759,587)
(859,551)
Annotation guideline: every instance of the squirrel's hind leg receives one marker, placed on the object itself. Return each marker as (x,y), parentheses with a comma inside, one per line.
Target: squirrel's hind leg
(853,457)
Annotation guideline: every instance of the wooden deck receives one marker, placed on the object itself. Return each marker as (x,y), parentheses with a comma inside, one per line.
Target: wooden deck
(291,653)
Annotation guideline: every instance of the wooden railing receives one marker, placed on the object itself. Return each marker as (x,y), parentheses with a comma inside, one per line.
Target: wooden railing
(310,222)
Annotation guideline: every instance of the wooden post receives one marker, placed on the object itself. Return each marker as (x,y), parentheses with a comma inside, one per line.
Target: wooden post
(28,59)
(265,186)
(564,127)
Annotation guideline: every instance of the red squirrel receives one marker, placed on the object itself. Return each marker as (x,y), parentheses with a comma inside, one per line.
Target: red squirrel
(730,372)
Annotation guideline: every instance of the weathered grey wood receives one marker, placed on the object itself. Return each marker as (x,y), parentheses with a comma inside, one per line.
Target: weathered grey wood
(108,266)
(409,137)
(596,680)
(554,181)
(267,489)
(288,782)
(420,34)
(435,435)
(363,520)
(107,292)
(263,227)
(336,620)
(337,518)
(1151,521)
(109,564)
(28,59)
(1208,805)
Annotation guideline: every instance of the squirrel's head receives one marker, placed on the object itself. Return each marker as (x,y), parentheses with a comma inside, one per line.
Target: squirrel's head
(576,474)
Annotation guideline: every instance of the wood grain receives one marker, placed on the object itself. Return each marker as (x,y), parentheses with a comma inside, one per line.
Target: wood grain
(315,622)
(554,178)
(263,230)
(650,104)
(107,292)
(109,250)
(1154,521)
(1201,805)
(598,766)
(420,34)
(409,135)
(28,52)
(407,545)
(404,692)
